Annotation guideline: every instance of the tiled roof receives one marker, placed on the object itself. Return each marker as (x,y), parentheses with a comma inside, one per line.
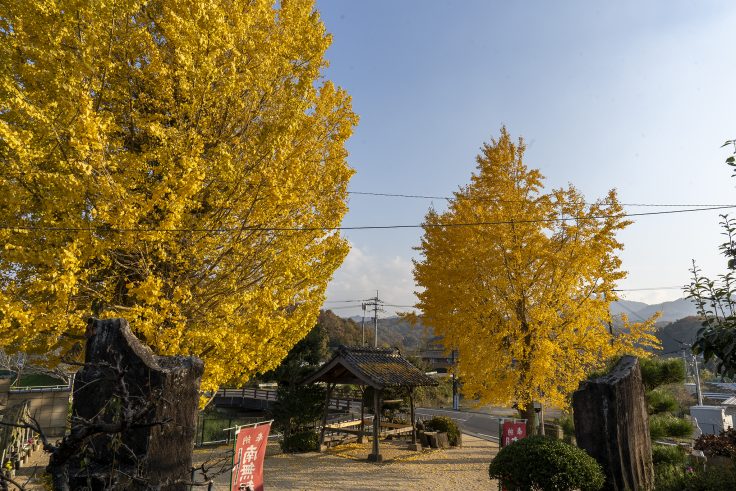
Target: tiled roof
(375,367)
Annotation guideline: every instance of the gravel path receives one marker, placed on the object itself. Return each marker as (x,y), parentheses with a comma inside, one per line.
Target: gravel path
(345,468)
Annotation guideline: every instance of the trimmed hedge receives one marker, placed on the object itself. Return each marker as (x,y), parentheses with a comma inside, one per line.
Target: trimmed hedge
(539,462)
(448,425)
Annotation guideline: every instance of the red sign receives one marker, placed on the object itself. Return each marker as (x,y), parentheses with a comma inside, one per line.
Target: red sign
(512,432)
(250,448)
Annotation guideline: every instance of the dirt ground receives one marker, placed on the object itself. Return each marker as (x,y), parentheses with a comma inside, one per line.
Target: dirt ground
(346,468)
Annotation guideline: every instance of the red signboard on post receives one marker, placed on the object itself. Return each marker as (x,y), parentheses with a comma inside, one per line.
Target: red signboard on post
(250,448)
(512,431)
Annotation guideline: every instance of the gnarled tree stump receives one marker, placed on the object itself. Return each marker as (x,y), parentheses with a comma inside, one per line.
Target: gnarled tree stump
(141,409)
(612,425)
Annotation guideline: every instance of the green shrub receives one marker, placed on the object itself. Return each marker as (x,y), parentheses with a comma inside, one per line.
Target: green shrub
(660,401)
(661,425)
(434,396)
(297,407)
(567,423)
(538,462)
(304,441)
(443,423)
(668,454)
(668,477)
(656,372)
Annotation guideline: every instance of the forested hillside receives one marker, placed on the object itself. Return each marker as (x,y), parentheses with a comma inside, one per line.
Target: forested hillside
(393,332)
(676,334)
(397,332)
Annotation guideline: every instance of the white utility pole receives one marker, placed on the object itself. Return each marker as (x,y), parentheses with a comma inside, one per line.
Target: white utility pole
(697,382)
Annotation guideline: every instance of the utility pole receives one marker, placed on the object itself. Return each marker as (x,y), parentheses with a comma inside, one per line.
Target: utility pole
(455,395)
(362,327)
(685,363)
(375,321)
(376,304)
(697,382)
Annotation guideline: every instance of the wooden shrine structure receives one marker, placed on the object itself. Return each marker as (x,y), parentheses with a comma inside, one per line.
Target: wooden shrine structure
(379,368)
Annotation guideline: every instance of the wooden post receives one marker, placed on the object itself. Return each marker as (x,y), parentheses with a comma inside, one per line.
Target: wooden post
(376,455)
(328,393)
(412,415)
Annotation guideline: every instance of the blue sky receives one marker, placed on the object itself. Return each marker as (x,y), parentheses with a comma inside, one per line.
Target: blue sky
(636,96)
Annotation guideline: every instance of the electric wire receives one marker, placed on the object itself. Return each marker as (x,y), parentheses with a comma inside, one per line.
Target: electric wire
(498,200)
(222,230)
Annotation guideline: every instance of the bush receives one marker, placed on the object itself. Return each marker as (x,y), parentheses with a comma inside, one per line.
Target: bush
(297,407)
(656,372)
(661,425)
(443,423)
(661,401)
(538,462)
(304,441)
(668,477)
(723,445)
(567,423)
(434,396)
(668,454)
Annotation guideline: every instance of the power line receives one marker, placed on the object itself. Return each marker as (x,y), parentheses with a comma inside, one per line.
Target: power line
(632,312)
(244,228)
(647,289)
(498,200)
(345,307)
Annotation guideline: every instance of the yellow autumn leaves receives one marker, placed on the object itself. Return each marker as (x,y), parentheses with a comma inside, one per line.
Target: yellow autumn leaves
(147,151)
(157,157)
(525,301)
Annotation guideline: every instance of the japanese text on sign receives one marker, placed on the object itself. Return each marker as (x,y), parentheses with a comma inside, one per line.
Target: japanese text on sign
(250,449)
(512,431)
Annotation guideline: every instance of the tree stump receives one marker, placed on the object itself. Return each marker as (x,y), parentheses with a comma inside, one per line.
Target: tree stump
(152,399)
(611,424)
(437,439)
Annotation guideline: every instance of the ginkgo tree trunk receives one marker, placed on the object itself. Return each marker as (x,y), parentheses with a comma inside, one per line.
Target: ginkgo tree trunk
(519,280)
(178,163)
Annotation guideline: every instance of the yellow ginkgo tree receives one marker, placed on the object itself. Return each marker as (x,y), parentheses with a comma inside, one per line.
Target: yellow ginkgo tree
(519,281)
(178,163)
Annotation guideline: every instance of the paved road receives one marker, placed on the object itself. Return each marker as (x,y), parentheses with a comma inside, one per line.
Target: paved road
(480,425)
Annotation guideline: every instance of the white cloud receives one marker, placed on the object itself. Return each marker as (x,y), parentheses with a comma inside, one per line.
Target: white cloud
(362,273)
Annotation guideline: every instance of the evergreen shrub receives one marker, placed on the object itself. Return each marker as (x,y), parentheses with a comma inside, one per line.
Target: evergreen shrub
(539,462)
(303,441)
(661,401)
